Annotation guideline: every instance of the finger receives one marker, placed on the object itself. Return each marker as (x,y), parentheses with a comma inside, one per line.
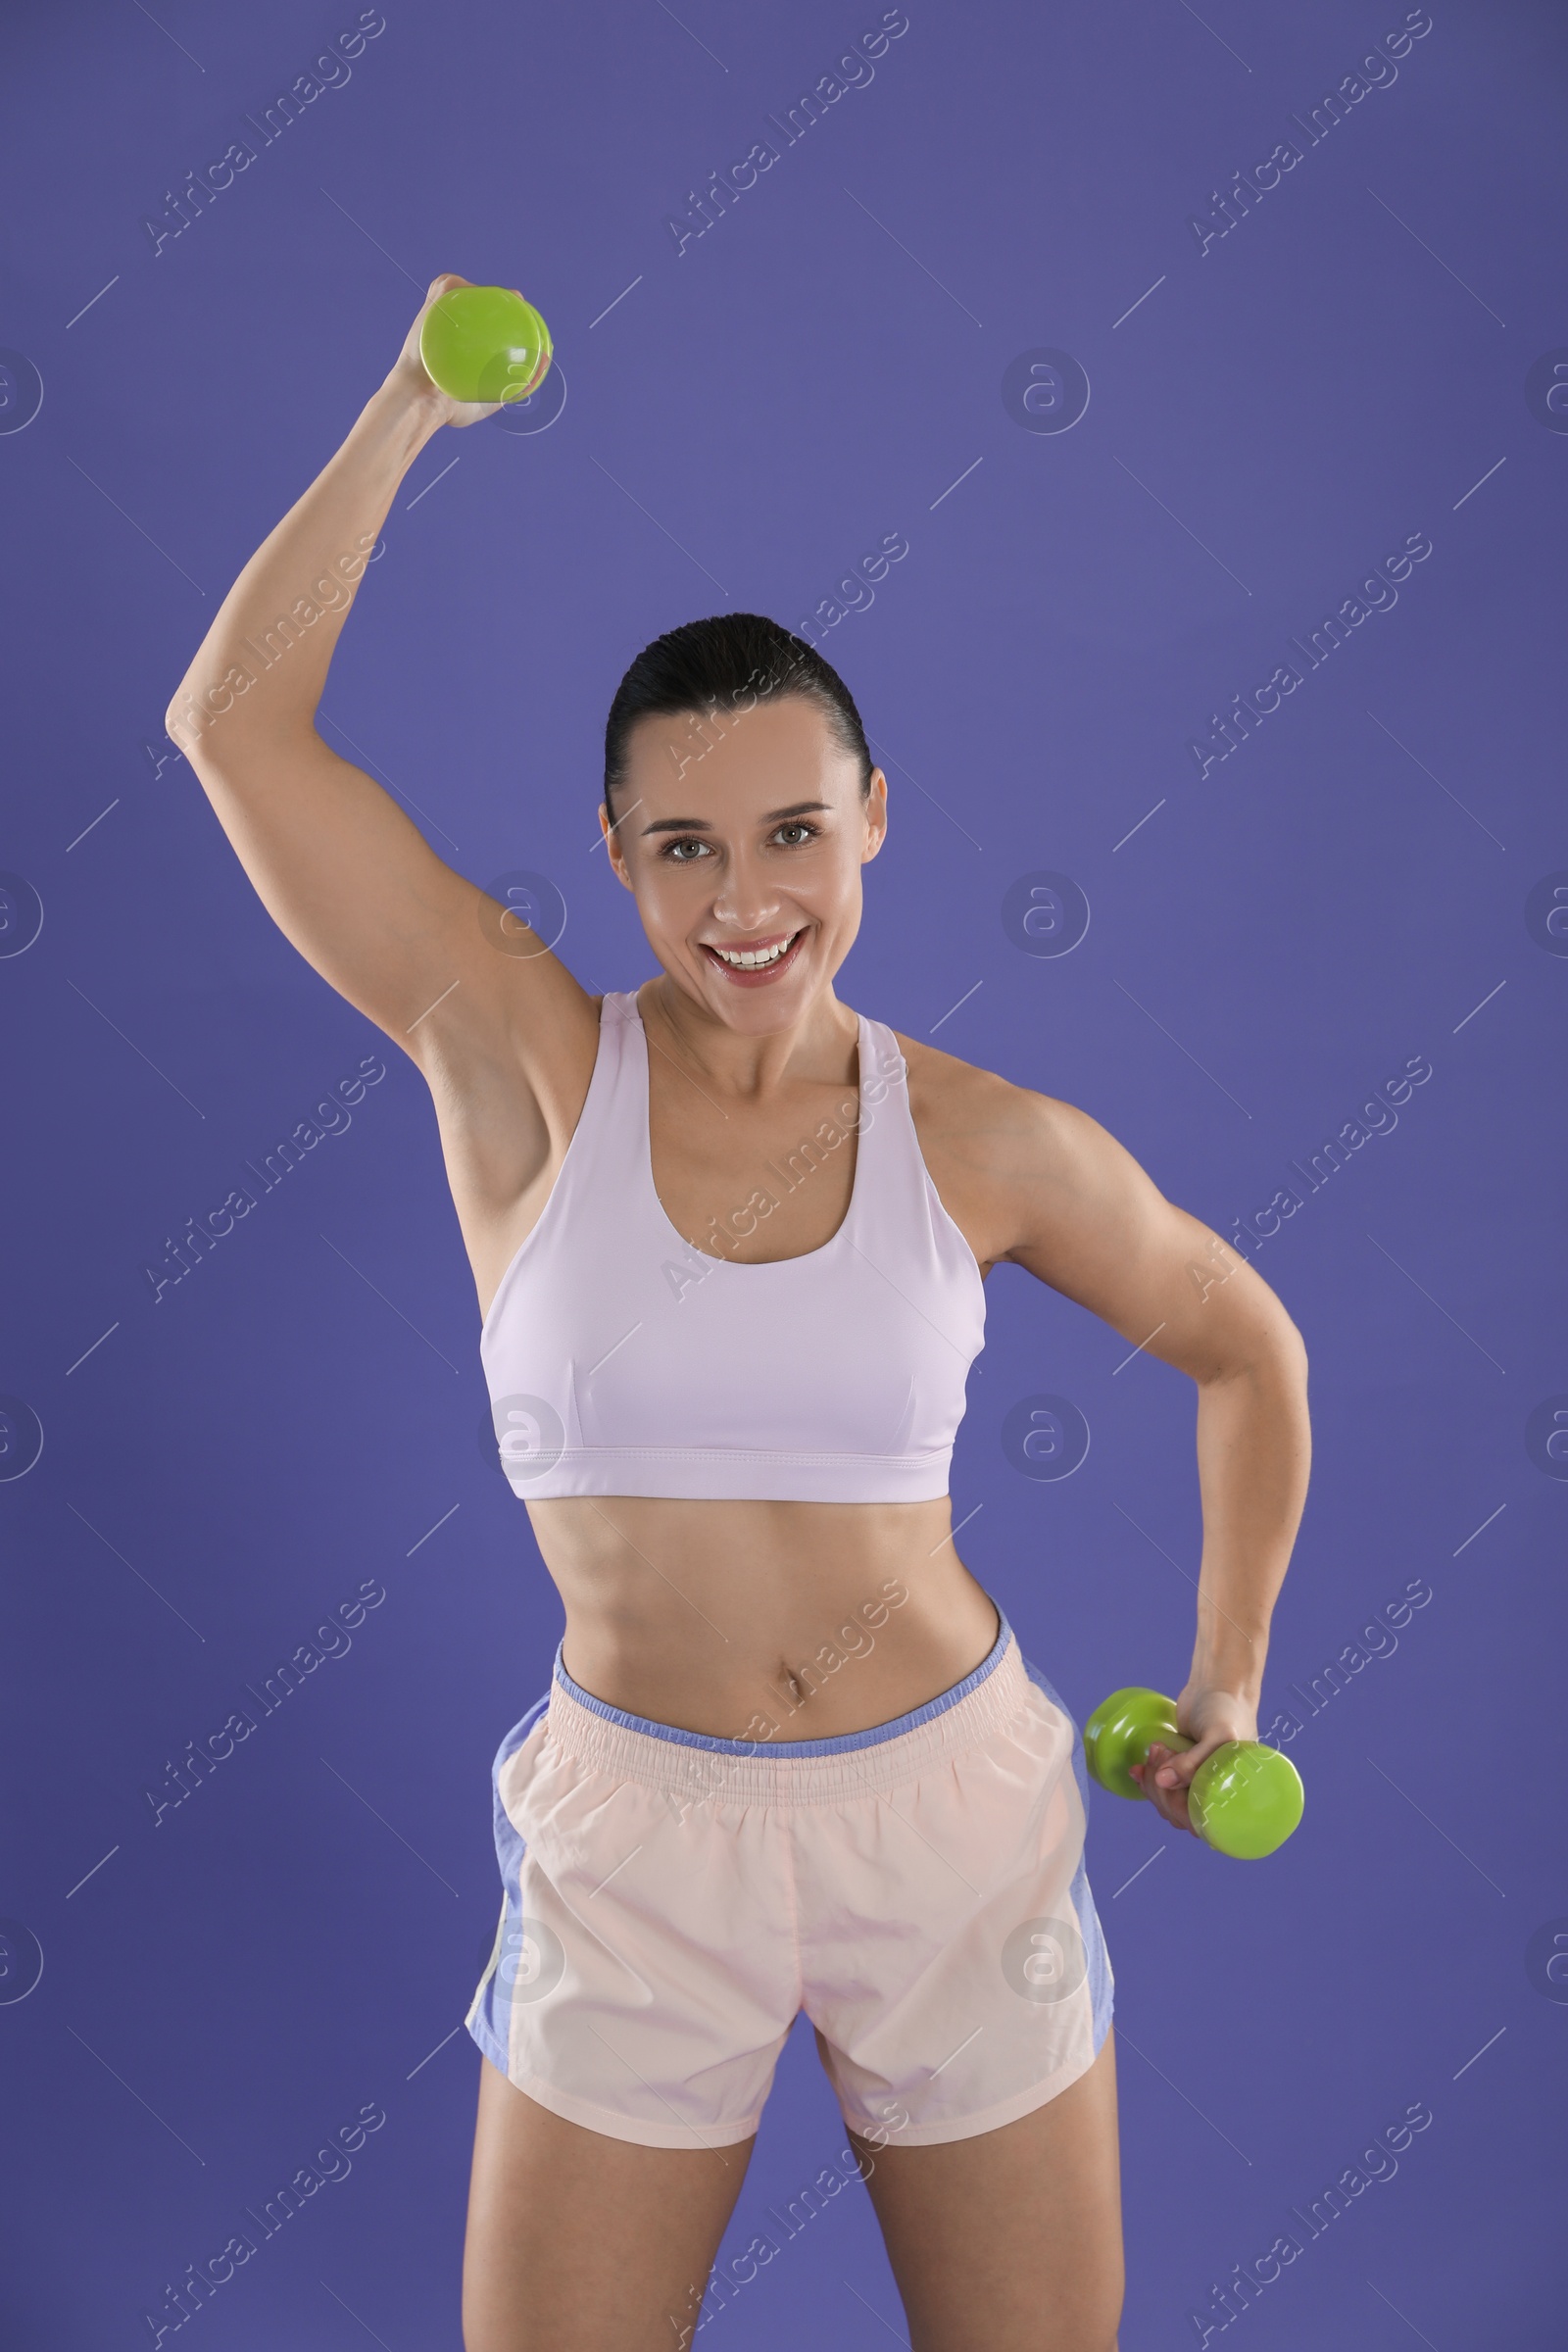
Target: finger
(1171,1807)
(1169,1804)
(1174,1768)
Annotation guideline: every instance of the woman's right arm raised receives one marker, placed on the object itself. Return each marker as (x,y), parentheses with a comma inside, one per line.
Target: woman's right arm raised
(343,873)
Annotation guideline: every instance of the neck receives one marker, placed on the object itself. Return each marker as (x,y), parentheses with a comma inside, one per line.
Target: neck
(820,1046)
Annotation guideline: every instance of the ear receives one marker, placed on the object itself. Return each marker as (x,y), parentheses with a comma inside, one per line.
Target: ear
(611,835)
(876,810)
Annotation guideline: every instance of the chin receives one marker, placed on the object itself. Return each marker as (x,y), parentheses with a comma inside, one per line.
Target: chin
(759,1011)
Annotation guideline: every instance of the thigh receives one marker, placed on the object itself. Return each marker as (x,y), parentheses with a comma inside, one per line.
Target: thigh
(577,2242)
(1010,2241)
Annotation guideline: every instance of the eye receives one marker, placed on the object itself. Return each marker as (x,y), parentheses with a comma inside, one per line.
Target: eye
(676,849)
(801,831)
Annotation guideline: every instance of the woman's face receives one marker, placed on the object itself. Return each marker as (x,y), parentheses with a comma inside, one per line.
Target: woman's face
(743,841)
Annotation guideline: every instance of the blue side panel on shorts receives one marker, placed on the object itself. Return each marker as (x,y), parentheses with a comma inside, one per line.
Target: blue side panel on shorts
(489,2012)
(1102,1988)
(1100,1982)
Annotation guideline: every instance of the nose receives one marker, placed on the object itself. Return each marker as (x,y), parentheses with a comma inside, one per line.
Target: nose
(747,900)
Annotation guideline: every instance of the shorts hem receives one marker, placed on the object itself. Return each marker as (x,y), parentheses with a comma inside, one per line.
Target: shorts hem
(989,2118)
(605,2119)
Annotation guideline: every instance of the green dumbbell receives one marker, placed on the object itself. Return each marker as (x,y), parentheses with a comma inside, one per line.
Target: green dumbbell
(484,343)
(1243,1801)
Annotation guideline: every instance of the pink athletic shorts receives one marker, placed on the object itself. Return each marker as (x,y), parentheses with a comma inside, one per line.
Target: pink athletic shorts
(673,1902)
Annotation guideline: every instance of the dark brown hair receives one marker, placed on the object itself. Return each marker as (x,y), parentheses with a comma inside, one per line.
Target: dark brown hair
(729,662)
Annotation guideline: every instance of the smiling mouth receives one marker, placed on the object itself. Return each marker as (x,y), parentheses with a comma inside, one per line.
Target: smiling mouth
(750,967)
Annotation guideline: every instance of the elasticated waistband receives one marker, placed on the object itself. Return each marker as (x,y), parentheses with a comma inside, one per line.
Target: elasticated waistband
(695,1767)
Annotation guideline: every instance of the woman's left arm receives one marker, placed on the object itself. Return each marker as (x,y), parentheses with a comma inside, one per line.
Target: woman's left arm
(1084,1217)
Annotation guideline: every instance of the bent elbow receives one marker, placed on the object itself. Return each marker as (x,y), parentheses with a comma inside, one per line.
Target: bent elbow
(1271,1353)
(1294,1349)
(194,709)
(182,721)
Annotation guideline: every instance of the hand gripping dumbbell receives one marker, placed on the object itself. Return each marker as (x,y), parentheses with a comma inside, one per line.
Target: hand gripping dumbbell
(1243,1801)
(484,343)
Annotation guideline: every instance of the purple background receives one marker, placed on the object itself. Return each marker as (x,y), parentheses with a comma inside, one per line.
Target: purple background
(227,1464)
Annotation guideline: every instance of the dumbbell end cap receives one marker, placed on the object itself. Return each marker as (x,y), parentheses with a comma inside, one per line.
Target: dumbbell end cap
(484,344)
(1120,1732)
(1245,1799)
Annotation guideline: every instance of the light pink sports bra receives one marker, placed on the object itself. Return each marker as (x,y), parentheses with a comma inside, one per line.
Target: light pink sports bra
(621,1360)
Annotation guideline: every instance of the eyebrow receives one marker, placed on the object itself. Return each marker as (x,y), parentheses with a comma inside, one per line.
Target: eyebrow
(699,825)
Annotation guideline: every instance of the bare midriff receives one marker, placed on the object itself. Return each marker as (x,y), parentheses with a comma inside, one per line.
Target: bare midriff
(725,1618)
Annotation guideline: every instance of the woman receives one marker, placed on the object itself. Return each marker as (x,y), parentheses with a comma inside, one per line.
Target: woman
(729,1238)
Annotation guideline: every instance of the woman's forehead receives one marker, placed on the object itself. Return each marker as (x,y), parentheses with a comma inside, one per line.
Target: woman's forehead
(737,766)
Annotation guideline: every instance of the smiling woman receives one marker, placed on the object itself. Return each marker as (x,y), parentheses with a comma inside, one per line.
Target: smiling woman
(729,1429)
(708,680)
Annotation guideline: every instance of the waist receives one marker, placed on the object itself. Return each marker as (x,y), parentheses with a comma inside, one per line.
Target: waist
(819,1619)
(765,1770)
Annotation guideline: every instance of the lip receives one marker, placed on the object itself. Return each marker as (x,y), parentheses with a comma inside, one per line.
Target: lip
(768,974)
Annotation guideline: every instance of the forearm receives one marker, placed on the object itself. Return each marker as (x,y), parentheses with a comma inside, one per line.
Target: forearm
(259,670)
(1253,1456)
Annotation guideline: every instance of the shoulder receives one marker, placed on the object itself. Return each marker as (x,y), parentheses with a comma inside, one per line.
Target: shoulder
(1004,1158)
(1026,1175)
(970,1111)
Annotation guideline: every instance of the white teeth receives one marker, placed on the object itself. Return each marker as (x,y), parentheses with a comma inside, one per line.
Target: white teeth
(749,960)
